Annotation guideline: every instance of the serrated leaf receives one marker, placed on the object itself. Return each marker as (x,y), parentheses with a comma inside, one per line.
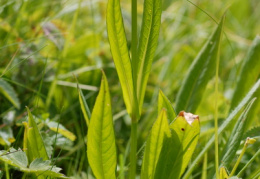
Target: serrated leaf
(16,158)
(101,149)
(236,136)
(164,102)
(35,144)
(84,106)
(226,123)
(147,45)
(154,144)
(118,45)
(199,74)
(8,91)
(249,72)
(62,130)
(187,128)
(254,132)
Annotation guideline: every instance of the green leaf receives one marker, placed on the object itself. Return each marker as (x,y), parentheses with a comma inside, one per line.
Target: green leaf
(187,128)
(226,123)
(35,144)
(101,138)
(223,173)
(8,91)
(6,135)
(118,45)
(18,158)
(147,45)
(236,136)
(84,106)
(154,144)
(164,102)
(200,72)
(249,73)
(170,159)
(62,130)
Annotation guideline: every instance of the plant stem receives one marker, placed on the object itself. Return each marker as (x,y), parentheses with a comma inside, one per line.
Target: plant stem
(135,116)
(7,171)
(133,149)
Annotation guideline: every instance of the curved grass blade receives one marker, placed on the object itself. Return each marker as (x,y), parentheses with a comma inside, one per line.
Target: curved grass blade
(147,46)
(164,102)
(118,45)
(84,106)
(101,138)
(227,122)
(8,91)
(35,144)
(154,144)
(249,73)
(236,136)
(200,72)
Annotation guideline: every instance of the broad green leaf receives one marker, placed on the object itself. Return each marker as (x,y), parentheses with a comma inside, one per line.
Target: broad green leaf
(35,144)
(147,46)
(40,168)
(187,128)
(170,159)
(226,123)
(8,91)
(154,144)
(235,138)
(16,158)
(101,138)
(84,106)
(118,45)
(249,73)
(199,74)
(223,173)
(164,102)
(62,130)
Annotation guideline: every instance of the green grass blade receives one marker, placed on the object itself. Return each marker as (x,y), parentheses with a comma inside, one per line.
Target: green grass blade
(229,119)
(236,136)
(249,72)
(188,134)
(84,106)
(101,138)
(200,72)
(164,102)
(154,145)
(8,91)
(147,45)
(118,45)
(35,144)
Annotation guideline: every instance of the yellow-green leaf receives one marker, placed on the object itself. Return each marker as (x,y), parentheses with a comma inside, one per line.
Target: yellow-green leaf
(164,102)
(118,45)
(154,144)
(101,138)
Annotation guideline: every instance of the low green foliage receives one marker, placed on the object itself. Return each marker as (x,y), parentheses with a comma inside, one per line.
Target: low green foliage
(110,93)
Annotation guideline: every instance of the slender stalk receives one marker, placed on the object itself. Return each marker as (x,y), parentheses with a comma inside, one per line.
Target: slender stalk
(135,116)
(133,150)
(216,117)
(7,175)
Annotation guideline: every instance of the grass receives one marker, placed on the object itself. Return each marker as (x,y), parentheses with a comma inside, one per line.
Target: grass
(45,42)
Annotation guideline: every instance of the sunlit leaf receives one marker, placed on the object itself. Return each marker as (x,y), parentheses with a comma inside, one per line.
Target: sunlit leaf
(223,173)
(147,45)
(8,91)
(199,74)
(101,149)
(164,102)
(62,130)
(118,45)
(154,143)
(84,106)
(187,128)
